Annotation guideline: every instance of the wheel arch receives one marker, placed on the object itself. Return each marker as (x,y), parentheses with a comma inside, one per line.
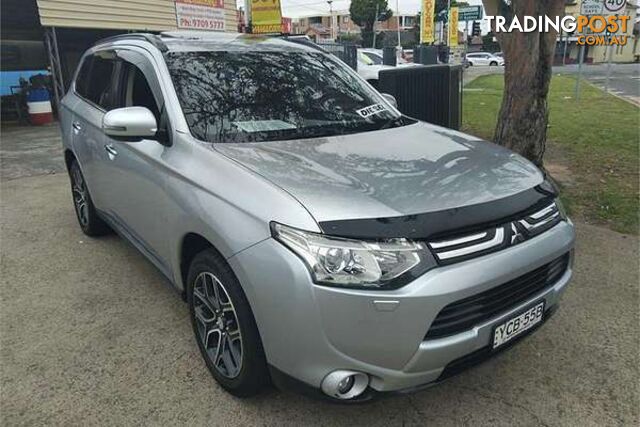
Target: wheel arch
(69,157)
(190,246)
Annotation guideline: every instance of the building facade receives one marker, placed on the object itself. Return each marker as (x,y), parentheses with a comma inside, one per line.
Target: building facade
(322,26)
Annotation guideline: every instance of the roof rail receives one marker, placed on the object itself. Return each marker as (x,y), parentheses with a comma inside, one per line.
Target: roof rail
(148,37)
(303,40)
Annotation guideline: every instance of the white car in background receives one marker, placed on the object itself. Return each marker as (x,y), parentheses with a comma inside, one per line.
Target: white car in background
(370,64)
(376,56)
(369,69)
(483,58)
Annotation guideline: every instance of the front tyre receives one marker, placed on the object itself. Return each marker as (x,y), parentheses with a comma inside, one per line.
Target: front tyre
(88,219)
(493,64)
(224,326)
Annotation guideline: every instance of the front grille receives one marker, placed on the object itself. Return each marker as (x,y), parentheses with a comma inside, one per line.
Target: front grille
(477,357)
(463,247)
(463,315)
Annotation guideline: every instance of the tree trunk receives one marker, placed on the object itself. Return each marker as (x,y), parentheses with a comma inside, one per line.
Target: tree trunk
(524,115)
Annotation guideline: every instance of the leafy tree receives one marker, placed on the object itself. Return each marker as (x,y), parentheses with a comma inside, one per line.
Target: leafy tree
(524,114)
(363,13)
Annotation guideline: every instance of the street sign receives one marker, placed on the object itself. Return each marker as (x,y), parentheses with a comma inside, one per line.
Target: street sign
(200,14)
(470,13)
(613,7)
(591,7)
(602,7)
(266,16)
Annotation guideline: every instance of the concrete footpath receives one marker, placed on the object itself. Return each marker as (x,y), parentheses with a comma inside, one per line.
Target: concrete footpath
(90,334)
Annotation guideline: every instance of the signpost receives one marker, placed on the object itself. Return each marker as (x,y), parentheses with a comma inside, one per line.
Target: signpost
(200,14)
(470,13)
(591,7)
(602,7)
(426,24)
(453,26)
(266,16)
(598,7)
(614,7)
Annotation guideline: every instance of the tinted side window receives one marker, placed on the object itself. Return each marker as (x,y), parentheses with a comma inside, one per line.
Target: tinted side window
(135,91)
(95,79)
(82,80)
(98,90)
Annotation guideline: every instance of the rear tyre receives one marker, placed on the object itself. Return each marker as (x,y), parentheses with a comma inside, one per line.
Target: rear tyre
(88,219)
(224,326)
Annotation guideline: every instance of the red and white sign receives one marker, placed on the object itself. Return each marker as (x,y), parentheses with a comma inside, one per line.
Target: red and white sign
(614,6)
(200,14)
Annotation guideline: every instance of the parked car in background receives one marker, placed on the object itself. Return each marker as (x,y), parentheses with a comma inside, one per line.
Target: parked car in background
(370,68)
(483,58)
(377,56)
(322,240)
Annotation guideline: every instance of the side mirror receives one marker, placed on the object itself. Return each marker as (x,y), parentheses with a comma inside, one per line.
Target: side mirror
(130,123)
(390,99)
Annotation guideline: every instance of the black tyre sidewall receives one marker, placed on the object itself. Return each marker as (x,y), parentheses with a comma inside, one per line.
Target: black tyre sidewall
(95,225)
(253,373)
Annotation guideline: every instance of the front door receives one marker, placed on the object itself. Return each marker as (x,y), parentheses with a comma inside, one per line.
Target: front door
(93,91)
(137,169)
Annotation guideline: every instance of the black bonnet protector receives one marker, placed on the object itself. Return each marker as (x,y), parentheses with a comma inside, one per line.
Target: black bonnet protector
(447,222)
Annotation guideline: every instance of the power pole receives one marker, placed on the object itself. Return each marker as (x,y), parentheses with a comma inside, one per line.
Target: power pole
(330,2)
(374,27)
(398,16)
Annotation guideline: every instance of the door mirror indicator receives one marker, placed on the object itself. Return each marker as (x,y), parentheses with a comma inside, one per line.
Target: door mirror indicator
(130,123)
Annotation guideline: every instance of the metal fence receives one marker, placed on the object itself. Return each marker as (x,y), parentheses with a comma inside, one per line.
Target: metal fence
(432,93)
(347,52)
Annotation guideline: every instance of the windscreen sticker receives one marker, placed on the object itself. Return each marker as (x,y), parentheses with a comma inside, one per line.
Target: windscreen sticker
(371,110)
(251,126)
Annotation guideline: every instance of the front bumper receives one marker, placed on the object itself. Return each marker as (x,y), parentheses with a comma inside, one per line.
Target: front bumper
(309,331)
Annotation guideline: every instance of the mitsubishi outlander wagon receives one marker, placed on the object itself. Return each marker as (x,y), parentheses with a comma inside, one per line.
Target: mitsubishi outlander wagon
(322,240)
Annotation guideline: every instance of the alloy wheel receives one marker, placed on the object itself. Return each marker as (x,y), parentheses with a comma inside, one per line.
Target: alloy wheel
(217,325)
(80,196)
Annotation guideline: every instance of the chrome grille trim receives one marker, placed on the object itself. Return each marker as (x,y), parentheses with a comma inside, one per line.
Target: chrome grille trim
(459,248)
(543,212)
(447,243)
(497,240)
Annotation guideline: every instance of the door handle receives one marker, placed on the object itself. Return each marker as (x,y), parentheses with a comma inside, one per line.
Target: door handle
(77,127)
(111,151)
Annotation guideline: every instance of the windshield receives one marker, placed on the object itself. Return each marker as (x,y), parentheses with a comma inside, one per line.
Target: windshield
(267,96)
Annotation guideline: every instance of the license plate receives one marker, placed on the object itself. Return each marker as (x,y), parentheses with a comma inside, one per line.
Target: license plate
(518,324)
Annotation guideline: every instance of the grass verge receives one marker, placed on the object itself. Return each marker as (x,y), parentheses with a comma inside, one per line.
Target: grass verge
(596,141)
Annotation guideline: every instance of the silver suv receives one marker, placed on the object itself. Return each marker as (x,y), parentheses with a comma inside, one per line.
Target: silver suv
(322,240)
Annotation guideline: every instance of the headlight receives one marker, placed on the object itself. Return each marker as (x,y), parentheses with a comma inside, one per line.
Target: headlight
(336,261)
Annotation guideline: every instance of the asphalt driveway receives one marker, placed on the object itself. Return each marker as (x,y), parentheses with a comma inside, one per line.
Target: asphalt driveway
(90,333)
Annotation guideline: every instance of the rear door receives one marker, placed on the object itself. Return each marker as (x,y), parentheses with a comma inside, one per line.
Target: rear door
(136,170)
(93,87)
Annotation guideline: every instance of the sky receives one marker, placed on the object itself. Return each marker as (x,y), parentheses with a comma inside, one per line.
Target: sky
(296,8)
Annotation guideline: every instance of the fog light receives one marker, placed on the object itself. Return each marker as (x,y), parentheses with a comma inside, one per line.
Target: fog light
(345,385)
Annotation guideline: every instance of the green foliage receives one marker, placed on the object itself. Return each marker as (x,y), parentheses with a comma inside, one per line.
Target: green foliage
(489,45)
(597,139)
(363,12)
(355,38)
